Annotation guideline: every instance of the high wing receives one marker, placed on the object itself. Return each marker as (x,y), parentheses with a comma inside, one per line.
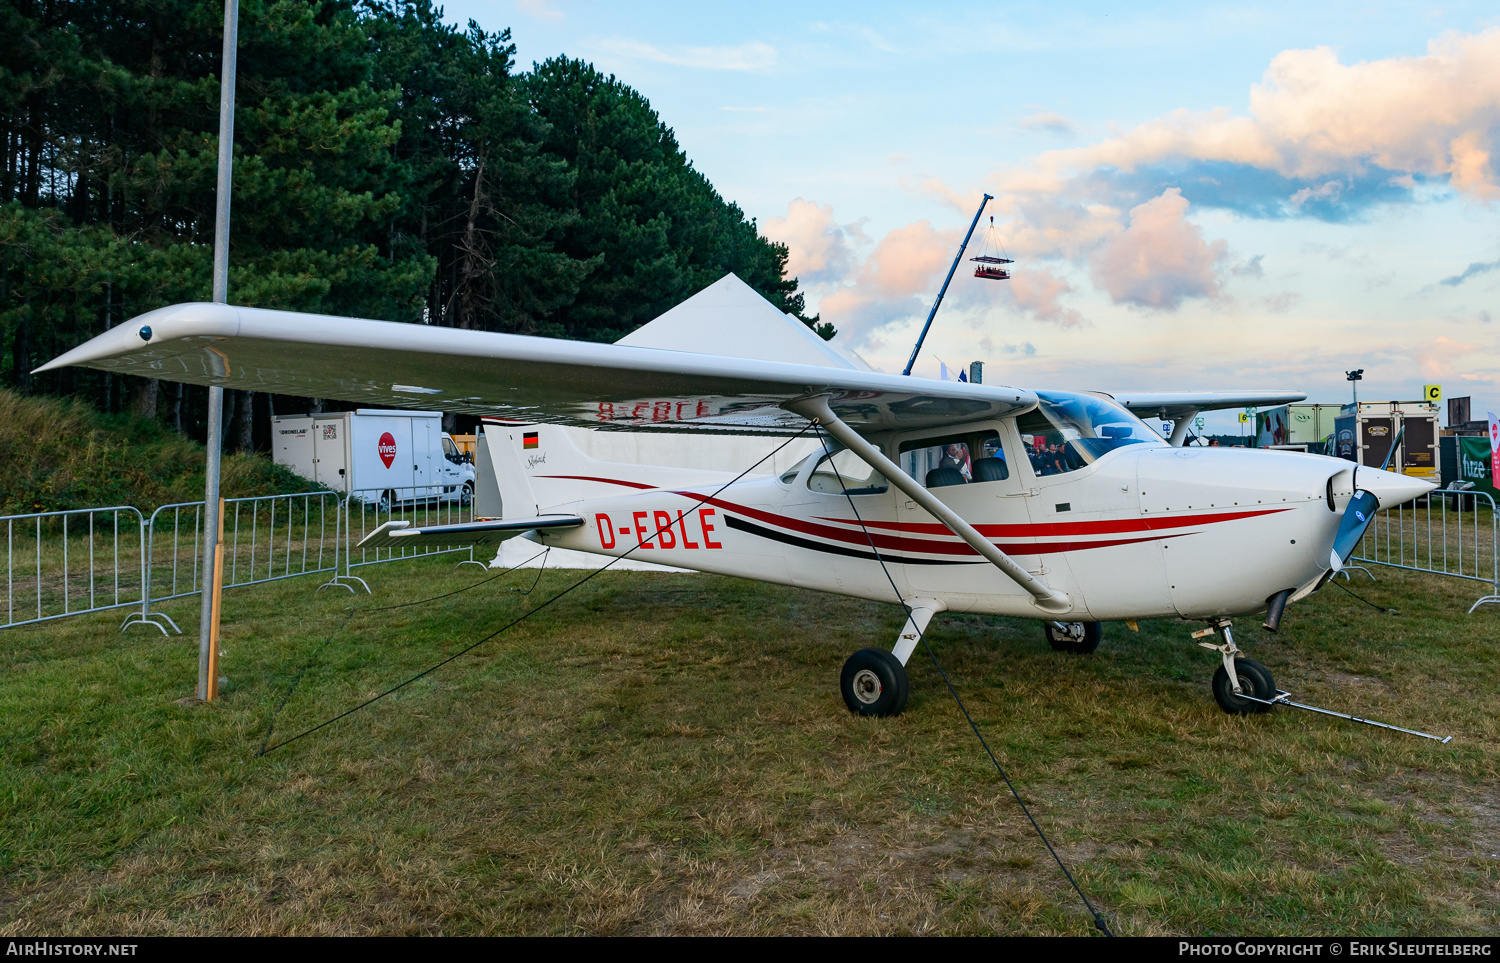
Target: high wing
(386,364)
(1176,405)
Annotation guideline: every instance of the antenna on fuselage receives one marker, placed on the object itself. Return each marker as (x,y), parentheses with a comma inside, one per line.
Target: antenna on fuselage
(944,290)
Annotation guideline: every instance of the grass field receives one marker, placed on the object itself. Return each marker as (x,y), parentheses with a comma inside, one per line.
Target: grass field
(669,754)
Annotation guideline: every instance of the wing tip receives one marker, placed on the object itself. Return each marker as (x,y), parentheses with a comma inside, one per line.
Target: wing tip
(163,324)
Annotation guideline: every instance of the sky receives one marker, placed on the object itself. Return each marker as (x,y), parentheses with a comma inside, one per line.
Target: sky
(1196,196)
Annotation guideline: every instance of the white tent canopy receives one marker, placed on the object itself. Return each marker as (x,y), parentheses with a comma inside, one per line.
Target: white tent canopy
(729,318)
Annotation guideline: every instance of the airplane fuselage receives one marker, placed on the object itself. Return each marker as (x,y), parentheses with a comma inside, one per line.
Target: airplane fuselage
(1143,532)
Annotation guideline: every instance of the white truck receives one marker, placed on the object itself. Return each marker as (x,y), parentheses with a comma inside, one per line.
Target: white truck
(387,457)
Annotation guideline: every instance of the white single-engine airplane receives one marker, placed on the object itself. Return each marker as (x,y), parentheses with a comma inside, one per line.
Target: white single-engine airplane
(1056,505)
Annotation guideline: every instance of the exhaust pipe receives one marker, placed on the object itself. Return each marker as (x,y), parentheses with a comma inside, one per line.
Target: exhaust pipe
(1278,606)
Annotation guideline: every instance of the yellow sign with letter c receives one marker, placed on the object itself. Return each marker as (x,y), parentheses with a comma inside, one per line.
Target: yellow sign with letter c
(1432,394)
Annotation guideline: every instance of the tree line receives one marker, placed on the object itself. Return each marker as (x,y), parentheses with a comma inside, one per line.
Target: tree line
(386,165)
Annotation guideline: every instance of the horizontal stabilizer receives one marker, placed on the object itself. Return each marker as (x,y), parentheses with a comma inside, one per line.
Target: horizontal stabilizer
(1173,405)
(395,534)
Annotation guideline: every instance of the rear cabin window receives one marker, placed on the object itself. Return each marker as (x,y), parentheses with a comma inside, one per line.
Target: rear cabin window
(973,458)
(790,475)
(843,472)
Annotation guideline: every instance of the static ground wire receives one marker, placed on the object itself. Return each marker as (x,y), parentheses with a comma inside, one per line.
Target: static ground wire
(350,612)
(1099,922)
(1378,608)
(517,621)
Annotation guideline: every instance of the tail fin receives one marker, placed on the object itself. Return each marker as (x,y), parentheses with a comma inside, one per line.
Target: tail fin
(544,467)
(502,488)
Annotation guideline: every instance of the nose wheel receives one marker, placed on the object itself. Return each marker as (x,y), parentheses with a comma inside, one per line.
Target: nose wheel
(1241,686)
(1255,680)
(874,683)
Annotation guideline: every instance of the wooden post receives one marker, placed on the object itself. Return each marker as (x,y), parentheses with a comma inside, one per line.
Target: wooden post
(212,692)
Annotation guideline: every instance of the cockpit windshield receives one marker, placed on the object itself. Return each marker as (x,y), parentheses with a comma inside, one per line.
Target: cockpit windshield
(1068,430)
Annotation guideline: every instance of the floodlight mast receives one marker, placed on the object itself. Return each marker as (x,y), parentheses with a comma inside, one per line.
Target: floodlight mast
(208,619)
(944,290)
(1354,378)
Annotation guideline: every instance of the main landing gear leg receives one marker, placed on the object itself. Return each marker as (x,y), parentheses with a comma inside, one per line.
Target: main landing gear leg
(1237,678)
(873,682)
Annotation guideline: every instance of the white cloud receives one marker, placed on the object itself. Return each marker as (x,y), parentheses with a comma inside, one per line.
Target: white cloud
(538,10)
(1281,303)
(1047,121)
(1160,259)
(818,249)
(751,55)
(1436,115)
(1327,191)
(1315,126)
(1038,292)
(864,287)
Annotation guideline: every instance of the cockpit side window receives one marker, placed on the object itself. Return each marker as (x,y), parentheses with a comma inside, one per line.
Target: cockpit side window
(1068,430)
(970,458)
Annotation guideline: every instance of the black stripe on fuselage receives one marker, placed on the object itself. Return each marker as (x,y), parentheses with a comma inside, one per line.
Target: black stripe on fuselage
(739,523)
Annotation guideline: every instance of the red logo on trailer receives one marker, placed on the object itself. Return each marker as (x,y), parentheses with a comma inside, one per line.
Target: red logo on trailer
(387,448)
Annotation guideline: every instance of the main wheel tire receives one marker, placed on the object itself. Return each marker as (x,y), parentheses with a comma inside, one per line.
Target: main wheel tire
(1255,678)
(874,683)
(1084,639)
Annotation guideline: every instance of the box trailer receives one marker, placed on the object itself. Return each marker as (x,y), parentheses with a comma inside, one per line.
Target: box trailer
(1364,435)
(1296,427)
(1312,424)
(391,457)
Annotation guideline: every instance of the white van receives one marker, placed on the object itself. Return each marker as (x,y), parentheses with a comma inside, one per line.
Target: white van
(387,457)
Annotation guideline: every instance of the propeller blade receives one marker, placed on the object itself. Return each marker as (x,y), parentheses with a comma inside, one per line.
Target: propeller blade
(1357,517)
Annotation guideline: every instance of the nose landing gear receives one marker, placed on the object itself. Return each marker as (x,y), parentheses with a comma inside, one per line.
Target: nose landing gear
(1237,677)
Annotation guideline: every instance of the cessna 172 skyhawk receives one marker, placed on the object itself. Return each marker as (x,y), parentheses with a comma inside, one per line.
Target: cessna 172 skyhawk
(1055,505)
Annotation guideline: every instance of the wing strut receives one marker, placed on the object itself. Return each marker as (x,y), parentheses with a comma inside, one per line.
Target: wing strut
(816,408)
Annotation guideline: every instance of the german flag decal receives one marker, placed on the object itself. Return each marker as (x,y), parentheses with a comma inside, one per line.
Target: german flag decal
(528,440)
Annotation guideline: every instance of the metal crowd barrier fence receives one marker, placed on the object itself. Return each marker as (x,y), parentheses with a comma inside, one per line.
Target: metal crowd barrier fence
(367,509)
(95,559)
(1453,533)
(266,538)
(68,563)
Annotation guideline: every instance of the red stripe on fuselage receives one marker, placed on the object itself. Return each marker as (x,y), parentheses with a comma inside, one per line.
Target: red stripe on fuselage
(605,481)
(1049,529)
(903,544)
(954,546)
